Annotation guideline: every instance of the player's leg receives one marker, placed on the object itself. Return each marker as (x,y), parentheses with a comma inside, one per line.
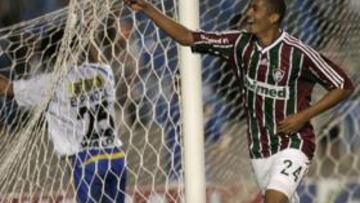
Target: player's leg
(288,168)
(274,196)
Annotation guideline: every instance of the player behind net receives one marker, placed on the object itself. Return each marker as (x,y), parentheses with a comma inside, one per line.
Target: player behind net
(278,73)
(81,121)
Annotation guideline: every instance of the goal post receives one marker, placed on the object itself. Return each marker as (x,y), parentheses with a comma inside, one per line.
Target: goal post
(190,68)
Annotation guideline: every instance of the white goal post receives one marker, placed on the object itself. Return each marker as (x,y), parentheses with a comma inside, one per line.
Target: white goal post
(190,68)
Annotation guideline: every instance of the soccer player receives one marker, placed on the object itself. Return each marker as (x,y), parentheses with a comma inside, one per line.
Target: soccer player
(278,73)
(80,119)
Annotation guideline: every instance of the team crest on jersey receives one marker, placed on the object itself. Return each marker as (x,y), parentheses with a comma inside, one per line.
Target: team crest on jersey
(278,74)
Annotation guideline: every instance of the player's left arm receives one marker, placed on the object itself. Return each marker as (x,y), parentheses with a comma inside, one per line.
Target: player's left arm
(295,122)
(331,77)
(6,87)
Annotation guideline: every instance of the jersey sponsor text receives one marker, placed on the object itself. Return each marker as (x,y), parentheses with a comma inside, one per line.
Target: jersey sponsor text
(266,90)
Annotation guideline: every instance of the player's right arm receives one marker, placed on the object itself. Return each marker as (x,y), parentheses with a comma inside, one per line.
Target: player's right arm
(28,92)
(220,44)
(175,30)
(6,87)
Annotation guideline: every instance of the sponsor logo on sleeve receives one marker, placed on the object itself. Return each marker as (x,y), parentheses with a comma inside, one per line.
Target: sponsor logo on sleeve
(214,40)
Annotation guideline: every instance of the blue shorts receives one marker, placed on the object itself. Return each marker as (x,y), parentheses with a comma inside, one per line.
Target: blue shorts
(100,175)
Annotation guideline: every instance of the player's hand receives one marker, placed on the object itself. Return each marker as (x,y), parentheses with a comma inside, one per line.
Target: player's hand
(292,124)
(136,5)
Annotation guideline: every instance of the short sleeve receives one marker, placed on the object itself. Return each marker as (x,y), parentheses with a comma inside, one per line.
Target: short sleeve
(31,92)
(220,44)
(326,72)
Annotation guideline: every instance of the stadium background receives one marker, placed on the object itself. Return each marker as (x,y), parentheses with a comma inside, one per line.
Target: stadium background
(330,26)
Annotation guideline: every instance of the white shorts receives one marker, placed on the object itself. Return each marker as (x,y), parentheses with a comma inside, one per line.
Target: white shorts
(282,171)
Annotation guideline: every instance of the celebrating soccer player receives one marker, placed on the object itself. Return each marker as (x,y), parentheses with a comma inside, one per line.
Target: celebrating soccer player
(278,73)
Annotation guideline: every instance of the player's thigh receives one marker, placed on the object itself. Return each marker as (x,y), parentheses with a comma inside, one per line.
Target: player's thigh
(287,171)
(274,196)
(261,168)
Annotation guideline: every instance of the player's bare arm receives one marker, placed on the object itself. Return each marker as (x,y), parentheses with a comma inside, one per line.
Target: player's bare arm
(175,30)
(295,122)
(6,87)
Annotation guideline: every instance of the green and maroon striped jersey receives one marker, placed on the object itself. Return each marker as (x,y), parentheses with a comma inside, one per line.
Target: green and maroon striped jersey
(277,81)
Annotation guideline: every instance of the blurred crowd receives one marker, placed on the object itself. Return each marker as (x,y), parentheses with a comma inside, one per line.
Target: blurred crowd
(14,11)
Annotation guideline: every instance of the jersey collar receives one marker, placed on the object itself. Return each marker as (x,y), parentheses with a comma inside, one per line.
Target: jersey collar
(267,48)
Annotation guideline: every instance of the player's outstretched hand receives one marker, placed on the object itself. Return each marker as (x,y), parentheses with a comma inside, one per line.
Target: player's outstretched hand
(136,5)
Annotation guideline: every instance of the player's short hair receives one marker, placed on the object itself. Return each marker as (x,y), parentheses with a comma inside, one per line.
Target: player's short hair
(279,7)
(50,46)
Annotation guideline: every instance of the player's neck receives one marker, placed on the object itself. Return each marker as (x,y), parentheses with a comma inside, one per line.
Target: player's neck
(268,37)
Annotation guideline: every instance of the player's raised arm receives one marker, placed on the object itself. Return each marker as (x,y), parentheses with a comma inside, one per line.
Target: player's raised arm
(175,30)
(6,87)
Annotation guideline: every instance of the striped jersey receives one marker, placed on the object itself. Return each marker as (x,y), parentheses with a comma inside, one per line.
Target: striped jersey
(80,114)
(276,81)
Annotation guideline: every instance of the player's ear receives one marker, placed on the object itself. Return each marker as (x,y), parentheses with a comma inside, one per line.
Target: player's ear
(274,18)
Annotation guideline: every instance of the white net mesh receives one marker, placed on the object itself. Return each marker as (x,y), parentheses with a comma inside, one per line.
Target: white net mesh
(148,116)
(146,106)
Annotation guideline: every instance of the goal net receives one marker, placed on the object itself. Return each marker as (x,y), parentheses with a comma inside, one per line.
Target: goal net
(148,111)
